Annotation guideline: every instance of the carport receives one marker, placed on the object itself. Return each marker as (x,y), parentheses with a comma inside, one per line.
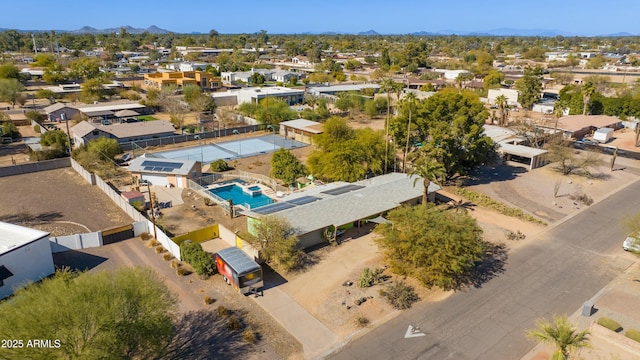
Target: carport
(535,157)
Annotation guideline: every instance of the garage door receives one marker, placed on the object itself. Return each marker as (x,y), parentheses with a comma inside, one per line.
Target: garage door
(155,179)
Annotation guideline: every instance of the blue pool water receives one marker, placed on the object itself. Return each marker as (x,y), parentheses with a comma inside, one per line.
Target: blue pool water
(239,197)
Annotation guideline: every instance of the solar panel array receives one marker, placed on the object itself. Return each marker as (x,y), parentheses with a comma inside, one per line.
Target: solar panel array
(160,166)
(343,189)
(275,207)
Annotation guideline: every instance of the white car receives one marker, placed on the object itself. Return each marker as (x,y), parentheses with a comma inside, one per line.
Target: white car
(631,244)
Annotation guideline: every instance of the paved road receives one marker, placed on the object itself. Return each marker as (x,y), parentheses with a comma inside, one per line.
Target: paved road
(554,274)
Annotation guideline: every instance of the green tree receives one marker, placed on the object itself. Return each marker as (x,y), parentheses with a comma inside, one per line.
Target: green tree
(104,148)
(9,71)
(55,138)
(10,90)
(125,313)
(588,89)
(450,125)
(428,171)
(10,129)
(91,91)
(529,87)
(257,79)
(438,248)
(286,167)
(345,154)
(46,94)
(276,241)
(85,68)
(560,333)
(493,80)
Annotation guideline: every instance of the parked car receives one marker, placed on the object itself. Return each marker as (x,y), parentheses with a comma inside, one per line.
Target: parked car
(631,244)
(143,182)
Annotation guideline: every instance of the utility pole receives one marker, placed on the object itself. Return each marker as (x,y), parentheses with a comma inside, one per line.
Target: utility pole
(153,214)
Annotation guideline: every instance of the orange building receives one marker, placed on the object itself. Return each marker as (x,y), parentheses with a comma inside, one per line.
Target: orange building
(179,79)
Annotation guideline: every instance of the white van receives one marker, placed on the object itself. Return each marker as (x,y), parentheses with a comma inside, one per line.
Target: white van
(631,244)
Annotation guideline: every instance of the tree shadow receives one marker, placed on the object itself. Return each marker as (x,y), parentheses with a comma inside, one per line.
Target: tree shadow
(204,335)
(491,266)
(23,217)
(490,174)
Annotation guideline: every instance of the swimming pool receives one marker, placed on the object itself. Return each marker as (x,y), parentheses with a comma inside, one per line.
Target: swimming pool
(250,200)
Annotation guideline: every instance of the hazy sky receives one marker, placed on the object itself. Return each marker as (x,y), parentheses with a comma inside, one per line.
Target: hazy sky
(571,17)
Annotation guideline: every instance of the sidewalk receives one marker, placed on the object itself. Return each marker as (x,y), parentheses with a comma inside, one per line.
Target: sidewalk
(618,301)
(312,334)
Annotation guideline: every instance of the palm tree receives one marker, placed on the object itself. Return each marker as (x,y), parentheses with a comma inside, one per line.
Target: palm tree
(562,334)
(387,85)
(503,107)
(461,204)
(430,171)
(409,100)
(558,108)
(587,91)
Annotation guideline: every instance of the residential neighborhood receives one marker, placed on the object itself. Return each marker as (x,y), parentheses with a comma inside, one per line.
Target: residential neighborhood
(295,195)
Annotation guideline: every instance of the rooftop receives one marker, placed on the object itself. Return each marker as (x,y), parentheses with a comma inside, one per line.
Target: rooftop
(15,236)
(342,88)
(161,166)
(341,203)
(304,124)
(126,130)
(579,122)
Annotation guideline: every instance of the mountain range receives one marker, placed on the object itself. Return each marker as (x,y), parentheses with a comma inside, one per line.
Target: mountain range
(493,32)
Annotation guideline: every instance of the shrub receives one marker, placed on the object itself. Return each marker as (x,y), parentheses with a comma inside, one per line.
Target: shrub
(366,278)
(362,321)
(175,264)
(36,128)
(220,166)
(400,295)
(610,324)
(160,249)
(633,334)
(201,261)
(145,236)
(182,271)
(233,323)
(249,336)
(167,257)
(152,243)
(222,311)
(208,300)
(581,197)
(208,201)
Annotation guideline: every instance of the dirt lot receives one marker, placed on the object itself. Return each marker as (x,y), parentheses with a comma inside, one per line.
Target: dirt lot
(59,201)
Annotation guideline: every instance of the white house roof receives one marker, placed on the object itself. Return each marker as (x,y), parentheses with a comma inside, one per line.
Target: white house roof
(112,107)
(138,129)
(521,150)
(83,128)
(125,130)
(161,166)
(14,236)
(341,203)
(304,125)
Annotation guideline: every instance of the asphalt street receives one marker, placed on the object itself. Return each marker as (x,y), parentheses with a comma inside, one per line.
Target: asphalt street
(555,273)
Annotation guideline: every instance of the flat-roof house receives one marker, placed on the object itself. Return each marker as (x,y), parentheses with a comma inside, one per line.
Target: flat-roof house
(300,129)
(334,89)
(85,131)
(318,210)
(180,79)
(511,147)
(25,256)
(163,172)
(577,126)
(255,94)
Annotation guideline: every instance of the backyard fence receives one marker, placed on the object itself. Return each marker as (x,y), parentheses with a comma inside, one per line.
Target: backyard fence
(35,167)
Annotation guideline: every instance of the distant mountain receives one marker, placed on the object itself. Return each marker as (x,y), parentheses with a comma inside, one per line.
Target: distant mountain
(619,34)
(368,33)
(497,32)
(426,33)
(131,30)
